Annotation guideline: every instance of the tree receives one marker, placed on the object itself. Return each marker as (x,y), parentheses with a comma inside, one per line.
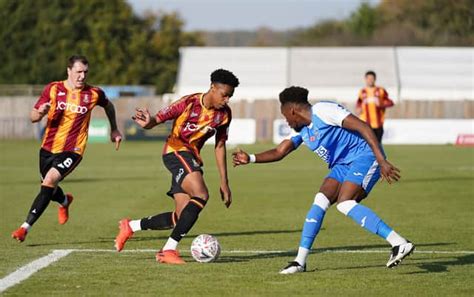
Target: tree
(38,36)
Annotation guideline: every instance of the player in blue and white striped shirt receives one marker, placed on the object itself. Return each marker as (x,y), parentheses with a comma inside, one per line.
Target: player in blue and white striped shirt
(356,161)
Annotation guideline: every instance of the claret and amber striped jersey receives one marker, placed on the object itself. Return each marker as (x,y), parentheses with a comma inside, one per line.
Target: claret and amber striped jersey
(193,124)
(69,116)
(368,99)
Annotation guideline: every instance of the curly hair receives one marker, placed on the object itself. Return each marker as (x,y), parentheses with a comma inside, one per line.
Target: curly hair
(224,77)
(294,94)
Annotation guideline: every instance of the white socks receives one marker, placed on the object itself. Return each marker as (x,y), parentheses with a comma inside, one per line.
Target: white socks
(171,244)
(135,225)
(26,226)
(302,255)
(394,239)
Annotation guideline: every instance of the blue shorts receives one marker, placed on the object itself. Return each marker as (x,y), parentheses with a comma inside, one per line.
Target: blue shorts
(363,171)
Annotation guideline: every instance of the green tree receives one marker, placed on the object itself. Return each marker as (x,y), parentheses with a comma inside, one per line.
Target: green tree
(38,36)
(363,22)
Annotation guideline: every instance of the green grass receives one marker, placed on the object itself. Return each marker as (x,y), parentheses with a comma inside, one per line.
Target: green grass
(432,206)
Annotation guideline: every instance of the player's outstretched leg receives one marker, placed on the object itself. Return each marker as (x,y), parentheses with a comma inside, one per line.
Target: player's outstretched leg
(37,208)
(188,217)
(163,221)
(367,219)
(311,227)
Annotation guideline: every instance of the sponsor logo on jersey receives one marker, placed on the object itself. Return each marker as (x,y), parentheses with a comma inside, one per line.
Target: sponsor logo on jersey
(71,107)
(323,153)
(61,93)
(86,98)
(194,127)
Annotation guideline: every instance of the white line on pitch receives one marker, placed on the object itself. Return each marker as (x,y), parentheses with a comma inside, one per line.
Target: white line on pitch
(26,271)
(277,251)
(29,269)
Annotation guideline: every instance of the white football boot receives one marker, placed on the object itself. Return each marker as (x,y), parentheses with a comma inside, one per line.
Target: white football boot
(293,267)
(399,253)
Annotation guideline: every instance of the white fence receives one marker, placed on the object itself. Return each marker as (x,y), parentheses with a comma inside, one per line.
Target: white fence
(408,73)
(404,131)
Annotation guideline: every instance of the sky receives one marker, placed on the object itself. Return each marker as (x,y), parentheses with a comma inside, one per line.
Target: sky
(218,15)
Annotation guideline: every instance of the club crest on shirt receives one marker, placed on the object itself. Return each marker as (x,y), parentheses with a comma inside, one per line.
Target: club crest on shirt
(86,98)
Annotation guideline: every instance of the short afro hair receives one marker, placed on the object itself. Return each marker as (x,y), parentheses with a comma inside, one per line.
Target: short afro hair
(224,77)
(294,94)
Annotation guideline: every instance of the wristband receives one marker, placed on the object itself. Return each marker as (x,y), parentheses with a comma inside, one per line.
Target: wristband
(252,158)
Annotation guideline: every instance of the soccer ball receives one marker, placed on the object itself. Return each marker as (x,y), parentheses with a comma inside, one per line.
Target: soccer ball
(205,248)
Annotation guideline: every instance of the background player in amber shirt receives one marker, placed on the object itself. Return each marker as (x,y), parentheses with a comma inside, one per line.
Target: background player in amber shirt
(371,104)
(197,117)
(68,105)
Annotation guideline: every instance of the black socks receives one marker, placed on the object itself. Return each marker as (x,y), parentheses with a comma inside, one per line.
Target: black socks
(188,217)
(162,221)
(40,204)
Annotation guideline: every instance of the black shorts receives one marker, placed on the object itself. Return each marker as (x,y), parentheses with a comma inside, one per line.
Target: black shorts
(64,162)
(180,164)
(378,133)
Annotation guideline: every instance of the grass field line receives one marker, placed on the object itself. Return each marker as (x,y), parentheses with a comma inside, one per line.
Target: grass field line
(328,251)
(29,269)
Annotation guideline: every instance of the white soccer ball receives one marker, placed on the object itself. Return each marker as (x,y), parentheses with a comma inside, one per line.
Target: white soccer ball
(205,248)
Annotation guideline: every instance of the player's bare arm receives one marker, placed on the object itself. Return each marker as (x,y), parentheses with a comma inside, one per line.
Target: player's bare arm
(37,114)
(115,135)
(388,171)
(276,154)
(144,119)
(221,160)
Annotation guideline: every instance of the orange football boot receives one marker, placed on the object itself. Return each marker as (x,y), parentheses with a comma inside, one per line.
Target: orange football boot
(63,211)
(20,234)
(169,257)
(125,234)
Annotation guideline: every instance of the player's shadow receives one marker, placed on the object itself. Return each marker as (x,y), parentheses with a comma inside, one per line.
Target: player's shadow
(165,237)
(244,258)
(222,234)
(436,179)
(443,266)
(375,246)
(81,180)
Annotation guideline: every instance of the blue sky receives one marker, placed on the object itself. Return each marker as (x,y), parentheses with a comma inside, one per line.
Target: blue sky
(250,14)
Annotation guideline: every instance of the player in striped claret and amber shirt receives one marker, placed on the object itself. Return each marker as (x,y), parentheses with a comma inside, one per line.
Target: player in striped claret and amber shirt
(68,105)
(371,104)
(196,117)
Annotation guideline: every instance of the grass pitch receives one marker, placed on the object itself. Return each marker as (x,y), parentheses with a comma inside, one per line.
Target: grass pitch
(432,206)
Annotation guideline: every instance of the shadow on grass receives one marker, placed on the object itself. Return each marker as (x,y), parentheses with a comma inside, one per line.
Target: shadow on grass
(443,266)
(436,179)
(165,237)
(80,180)
(244,258)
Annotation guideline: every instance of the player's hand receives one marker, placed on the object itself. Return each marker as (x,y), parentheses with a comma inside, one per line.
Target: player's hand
(116,137)
(143,118)
(240,157)
(44,108)
(226,195)
(389,172)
